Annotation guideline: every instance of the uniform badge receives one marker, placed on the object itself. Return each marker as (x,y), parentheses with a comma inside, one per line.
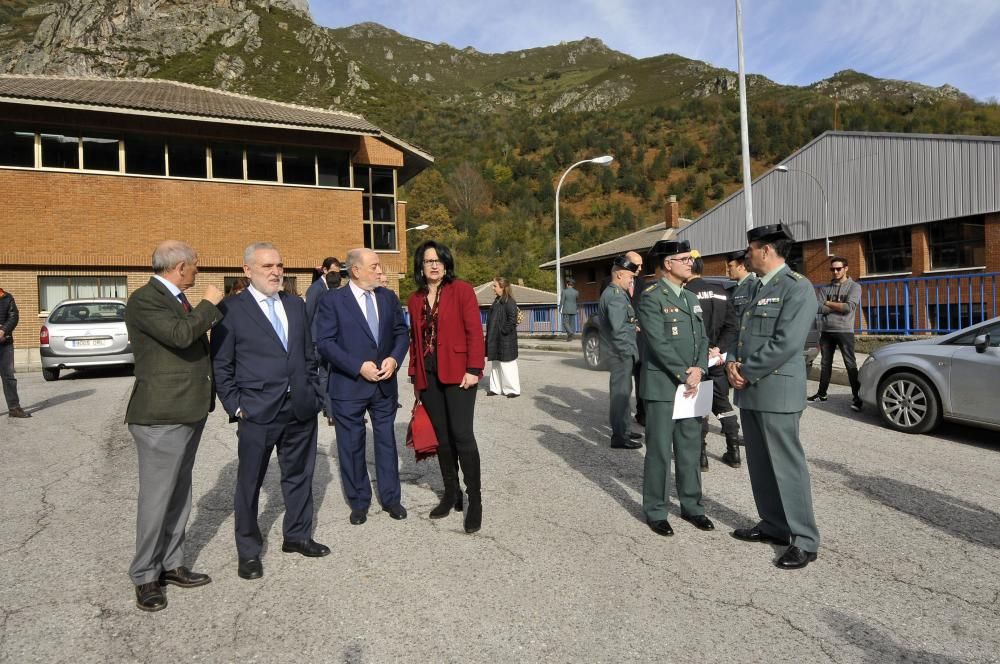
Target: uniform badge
(673,331)
(697,308)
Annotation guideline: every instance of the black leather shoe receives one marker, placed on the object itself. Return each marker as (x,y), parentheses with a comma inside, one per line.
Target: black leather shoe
(358,517)
(634,436)
(250,568)
(20,412)
(755,534)
(699,521)
(857,405)
(817,397)
(794,558)
(625,444)
(473,516)
(513,396)
(661,527)
(309,548)
(149,597)
(397,511)
(182,577)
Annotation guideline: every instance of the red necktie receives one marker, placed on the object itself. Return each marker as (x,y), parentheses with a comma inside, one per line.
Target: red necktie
(184,301)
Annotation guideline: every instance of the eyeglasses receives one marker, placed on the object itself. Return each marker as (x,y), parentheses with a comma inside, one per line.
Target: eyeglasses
(433,261)
(836,269)
(687,259)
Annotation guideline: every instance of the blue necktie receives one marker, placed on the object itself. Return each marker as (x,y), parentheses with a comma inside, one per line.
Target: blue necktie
(276,323)
(371,315)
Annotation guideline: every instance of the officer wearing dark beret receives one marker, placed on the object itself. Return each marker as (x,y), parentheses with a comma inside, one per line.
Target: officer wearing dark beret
(676,354)
(768,373)
(617,333)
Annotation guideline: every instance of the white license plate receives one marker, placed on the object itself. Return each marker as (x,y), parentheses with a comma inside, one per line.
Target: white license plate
(90,343)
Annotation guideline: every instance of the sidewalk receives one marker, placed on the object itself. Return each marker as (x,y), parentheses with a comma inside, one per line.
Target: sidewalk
(559,344)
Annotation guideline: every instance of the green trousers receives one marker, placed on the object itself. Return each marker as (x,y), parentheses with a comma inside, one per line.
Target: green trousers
(665,435)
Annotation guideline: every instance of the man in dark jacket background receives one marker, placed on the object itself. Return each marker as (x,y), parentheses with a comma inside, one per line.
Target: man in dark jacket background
(721,325)
(8,321)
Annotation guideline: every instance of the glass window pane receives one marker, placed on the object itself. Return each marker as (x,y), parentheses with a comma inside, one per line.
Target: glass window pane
(81,287)
(298,167)
(384,236)
(60,151)
(262,164)
(383,209)
(382,181)
(187,159)
(52,291)
(334,168)
(368,236)
(17,148)
(361,178)
(366,208)
(227,162)
(957,243)
(100,153)
(144,155)
(888,251)
(113,287)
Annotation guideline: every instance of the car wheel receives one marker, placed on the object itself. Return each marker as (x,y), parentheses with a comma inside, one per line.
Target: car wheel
(592,351)
(908,403)
(50,374)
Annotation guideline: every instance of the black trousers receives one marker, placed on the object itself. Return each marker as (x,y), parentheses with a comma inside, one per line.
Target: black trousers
(452,411)
(828,342)
(7,375)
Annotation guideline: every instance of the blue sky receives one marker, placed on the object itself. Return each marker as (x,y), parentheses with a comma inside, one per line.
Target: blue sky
(790,41)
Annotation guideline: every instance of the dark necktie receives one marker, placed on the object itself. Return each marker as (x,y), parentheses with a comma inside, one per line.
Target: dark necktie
(184,301)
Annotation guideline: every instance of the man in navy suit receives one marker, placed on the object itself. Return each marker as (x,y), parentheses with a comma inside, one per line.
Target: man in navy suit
(360,331)
(265,374)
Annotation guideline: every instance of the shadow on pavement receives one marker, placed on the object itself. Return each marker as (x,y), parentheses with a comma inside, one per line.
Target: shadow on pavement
(955,516)
(877,646)
(97,372)
(58,399)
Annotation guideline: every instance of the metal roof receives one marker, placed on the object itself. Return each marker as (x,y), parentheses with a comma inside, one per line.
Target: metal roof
(522,295)
(640,241)
(863,182)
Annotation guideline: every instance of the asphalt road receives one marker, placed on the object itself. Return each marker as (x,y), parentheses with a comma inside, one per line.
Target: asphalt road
(563,569)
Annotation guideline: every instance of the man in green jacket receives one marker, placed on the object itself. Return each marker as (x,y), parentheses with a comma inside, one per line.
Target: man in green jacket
(768,373)
(166,414)
(676,354)
(618,345)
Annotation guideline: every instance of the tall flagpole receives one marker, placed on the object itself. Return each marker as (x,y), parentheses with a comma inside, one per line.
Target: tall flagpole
(744,131)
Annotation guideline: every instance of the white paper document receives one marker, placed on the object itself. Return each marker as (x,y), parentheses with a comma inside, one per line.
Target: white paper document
(718,359)
(697,406)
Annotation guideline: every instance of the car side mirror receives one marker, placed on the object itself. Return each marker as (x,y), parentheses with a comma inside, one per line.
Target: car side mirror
(982,342)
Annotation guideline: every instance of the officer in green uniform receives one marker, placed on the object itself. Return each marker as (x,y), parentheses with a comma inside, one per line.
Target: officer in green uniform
(746,281)
(618,345)
(676,354)
(769,375)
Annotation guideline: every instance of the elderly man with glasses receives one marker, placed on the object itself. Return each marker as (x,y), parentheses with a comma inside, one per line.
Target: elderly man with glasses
(838,303)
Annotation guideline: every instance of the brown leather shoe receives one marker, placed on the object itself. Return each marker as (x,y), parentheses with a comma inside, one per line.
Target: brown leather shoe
(18,412)
(182,577)
(149,597)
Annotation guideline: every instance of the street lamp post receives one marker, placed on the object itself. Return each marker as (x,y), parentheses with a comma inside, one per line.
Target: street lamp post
(604,161)
(419,227)
(826,202)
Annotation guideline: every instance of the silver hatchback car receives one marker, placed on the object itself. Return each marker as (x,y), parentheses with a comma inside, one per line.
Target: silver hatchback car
(914,384)
(84,334)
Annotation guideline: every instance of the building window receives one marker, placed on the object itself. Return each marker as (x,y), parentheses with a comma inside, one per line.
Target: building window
(889,251)
(957,243)
(298,167)
(378,206)
(53,290)
(144,155)
(187,159)
(60,151)
(100,153)
(227,161)
(262,164)
(334,167)
(591,275)
(951,317)
(17,148)
(885,318)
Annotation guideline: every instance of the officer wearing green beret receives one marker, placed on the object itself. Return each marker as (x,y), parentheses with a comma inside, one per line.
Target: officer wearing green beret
(768,373)
(676,354)
(617,332)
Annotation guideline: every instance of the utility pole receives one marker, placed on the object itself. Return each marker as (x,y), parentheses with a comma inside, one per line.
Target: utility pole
(744,131)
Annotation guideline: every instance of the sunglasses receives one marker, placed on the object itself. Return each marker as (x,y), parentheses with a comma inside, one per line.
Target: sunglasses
(836,269)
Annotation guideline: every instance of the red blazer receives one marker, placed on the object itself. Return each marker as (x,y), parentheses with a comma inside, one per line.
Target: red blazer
(461,346)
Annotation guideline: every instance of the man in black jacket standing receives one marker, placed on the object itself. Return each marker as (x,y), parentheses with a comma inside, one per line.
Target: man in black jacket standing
(8,321)
(721,324)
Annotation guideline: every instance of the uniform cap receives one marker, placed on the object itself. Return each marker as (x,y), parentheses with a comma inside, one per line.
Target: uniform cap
(665,248)
(624,263)
(738,255)
(769,233)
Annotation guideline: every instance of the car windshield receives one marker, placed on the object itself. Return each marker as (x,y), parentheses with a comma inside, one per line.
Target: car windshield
(89,313)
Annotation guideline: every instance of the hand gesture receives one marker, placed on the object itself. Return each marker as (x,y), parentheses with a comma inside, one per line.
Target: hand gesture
(387,369)
(694,375)
(469,380)
(736,378)
(212,294)
(370,372)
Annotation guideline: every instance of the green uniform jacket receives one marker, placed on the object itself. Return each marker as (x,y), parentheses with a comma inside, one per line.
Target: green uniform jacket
(675,340)
(741,294)
(617,328)
(173,368)
(773,331)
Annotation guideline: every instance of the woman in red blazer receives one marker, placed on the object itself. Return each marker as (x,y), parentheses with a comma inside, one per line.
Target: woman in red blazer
(447,356)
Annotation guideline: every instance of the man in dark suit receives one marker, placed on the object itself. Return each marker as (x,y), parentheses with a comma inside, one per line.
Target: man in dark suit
(166,414)
(329,270)
(360,331)
(265,373)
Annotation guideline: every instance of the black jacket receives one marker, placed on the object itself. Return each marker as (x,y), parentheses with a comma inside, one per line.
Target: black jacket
(8,317)
(717,311)
(501,331)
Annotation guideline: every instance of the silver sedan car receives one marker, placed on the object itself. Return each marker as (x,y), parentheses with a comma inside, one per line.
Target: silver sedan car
(84,334)
(915,384)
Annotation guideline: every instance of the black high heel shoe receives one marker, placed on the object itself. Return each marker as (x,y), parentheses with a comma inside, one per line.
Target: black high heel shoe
(443,508)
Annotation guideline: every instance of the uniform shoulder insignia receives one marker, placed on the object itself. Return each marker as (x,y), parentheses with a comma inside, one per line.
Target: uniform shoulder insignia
(649,288)
(795,275)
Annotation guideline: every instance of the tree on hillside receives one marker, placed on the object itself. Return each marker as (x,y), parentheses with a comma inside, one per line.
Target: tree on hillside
(468,193)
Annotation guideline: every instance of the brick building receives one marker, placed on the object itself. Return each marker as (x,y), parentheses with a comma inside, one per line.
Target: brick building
(95,172)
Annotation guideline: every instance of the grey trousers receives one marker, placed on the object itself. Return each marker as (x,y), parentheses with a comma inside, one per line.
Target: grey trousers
(620,393)
(166,457)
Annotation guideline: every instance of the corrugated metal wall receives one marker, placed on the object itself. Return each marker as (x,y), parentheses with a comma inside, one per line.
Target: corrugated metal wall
(871,182)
